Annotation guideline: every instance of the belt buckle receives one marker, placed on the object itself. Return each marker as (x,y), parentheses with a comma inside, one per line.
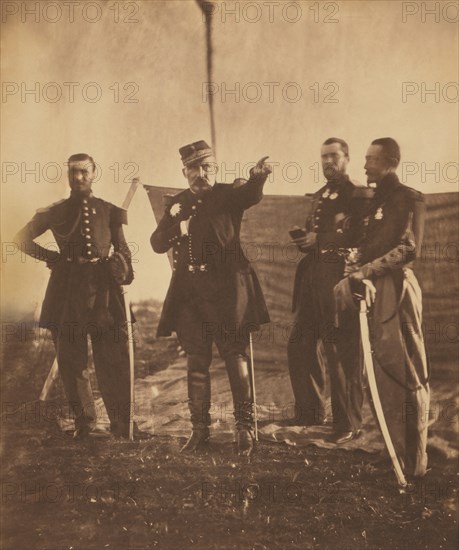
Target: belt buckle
(196,268)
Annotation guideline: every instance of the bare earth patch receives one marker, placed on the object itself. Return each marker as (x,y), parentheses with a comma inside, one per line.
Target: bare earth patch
(106,493)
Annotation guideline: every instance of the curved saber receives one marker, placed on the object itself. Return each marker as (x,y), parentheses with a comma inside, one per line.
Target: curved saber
(370,370)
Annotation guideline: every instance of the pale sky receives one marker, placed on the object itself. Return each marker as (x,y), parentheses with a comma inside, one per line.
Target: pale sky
(128,88)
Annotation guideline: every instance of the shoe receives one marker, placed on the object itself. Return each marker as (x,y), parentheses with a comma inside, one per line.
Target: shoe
(198,439)
(244,441)
(84,432)
(140,434)
(344,437)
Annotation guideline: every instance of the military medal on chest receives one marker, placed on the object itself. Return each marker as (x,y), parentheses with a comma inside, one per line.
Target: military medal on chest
(379,214)
(332,196)
(175,209)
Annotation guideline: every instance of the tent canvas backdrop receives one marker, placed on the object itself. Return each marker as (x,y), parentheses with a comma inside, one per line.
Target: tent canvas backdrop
(161,399)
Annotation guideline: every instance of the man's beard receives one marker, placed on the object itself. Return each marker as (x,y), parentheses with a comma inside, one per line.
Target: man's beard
(332,174)
(81,190)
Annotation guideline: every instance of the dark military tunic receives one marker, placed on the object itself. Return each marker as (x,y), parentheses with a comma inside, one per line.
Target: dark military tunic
(314,317)
(331,206)
(210,271)
(83,298)
(81,288)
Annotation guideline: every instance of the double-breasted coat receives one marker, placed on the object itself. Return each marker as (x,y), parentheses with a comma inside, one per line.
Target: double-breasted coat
(81,288)
(239,298)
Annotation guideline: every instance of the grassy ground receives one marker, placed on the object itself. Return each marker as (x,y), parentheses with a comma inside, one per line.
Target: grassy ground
(105,493)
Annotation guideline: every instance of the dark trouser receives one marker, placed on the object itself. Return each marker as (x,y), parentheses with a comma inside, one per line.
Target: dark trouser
(111,362)
(307,375)
(346,379)
(199,324)
(314,326)
(402,370)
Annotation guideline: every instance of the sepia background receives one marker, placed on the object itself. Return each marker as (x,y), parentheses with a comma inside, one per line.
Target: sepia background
(286,75)
(124,82)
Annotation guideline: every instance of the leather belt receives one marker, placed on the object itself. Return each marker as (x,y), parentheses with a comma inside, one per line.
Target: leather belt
(340,251)
(80,260)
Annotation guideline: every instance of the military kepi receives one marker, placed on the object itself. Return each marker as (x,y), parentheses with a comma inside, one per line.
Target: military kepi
(194,152)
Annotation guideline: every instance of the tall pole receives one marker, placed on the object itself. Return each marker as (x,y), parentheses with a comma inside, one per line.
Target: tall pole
(207,13)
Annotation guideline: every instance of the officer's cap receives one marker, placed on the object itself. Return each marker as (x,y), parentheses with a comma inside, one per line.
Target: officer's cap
(194,152)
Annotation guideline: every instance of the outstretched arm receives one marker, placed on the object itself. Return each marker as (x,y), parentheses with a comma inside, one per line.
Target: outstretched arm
(251,192)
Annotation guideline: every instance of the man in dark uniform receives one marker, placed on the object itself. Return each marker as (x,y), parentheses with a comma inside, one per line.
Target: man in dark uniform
(83,296)
(214,294)
(383,271)
(325,237)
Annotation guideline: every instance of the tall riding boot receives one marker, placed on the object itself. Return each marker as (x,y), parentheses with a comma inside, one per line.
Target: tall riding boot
(239,377)
(198,402)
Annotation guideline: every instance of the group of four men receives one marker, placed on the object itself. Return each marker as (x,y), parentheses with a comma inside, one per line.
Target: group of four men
(355,247)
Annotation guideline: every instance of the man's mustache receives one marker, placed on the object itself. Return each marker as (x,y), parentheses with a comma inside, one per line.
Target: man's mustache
(201,182)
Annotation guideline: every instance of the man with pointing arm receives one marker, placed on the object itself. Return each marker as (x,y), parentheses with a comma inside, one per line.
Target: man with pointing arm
(214,294)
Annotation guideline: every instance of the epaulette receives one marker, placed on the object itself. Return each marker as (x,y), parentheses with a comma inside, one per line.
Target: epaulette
(414,193)
(316,194)
(119,215)
(169,198)
(48,208)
